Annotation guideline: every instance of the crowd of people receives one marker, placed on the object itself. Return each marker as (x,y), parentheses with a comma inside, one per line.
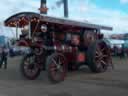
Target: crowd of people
(121,52)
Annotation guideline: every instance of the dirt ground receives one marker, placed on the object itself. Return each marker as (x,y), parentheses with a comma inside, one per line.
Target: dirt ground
(80,83)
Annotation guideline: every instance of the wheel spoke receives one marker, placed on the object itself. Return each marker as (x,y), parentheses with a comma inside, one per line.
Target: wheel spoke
(104,56)
(61,68)
(103,62)
(54,61)
(59,62)
(102,49)
(28,65)
(97,56)
(97,52)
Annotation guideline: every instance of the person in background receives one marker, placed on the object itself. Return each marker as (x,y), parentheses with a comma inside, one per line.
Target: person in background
(4,53)
(122,54)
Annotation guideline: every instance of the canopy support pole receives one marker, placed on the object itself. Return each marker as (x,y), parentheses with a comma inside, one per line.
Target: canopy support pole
(16,31)
(29,29)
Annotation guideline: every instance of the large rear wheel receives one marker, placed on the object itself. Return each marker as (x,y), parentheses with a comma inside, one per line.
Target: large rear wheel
(56,67)
(98,56)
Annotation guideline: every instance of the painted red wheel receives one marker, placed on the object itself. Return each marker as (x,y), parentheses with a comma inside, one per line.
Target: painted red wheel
(29,68)
(56,67)
(98,57)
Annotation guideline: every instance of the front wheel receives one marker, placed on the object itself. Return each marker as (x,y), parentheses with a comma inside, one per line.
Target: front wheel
(56,67)
(29,68)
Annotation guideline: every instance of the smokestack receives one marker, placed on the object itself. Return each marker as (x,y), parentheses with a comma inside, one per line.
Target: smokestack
(65,8)
(43,7)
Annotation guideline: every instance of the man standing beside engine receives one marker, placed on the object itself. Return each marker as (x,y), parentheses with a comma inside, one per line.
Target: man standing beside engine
(4,53)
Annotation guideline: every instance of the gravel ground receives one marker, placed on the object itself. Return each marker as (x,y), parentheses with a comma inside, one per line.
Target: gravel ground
(80,83)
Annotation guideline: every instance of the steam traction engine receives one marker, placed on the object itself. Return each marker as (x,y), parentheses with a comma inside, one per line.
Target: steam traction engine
(57,44)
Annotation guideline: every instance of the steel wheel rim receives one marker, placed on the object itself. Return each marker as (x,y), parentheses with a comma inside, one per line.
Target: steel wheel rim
(57,67)
(30,67)
(101,57)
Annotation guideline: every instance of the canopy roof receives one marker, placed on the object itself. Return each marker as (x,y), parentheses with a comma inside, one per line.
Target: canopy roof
(23,18)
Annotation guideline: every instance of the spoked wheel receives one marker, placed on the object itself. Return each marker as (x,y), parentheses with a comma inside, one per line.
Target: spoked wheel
(29,68)
(56,67)
(98,57)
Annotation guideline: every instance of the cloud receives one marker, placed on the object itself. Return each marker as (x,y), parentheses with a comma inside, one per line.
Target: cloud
(103,16)
(123,1)
(84,10)
(10,7)
(116,19)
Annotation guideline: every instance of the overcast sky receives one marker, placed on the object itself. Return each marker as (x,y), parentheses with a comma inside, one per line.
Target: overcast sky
(107,12)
